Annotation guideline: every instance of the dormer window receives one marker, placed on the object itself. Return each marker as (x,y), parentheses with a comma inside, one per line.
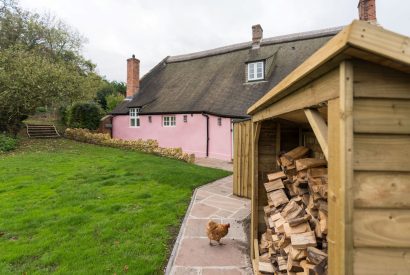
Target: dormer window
(255,71)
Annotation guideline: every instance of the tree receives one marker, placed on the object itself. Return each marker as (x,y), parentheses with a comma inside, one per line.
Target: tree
(29,80)
(40,65)
(113,100)
(111,88)
(119,87)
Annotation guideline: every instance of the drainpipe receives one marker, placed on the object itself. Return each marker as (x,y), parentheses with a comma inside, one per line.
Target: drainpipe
(207,133)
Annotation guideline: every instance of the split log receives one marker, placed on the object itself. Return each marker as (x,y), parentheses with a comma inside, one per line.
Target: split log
(276,217)
(315,256)
(293,266)
(291,210)
(268,235)
(265,257)
(274,185)
(277,175)
(282,263)
(297,254)
(323,221)
(303,240)
(306,163)
(278,197)
(321,268)
(297,153)
(308,268)
(301,228)
(266,267)
(298,220)
(317,172)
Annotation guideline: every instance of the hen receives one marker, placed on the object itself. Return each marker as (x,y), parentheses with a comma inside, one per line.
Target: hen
(216,231)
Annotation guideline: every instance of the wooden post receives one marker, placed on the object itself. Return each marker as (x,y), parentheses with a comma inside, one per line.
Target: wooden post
(256,127)
(340,132)
(346,154)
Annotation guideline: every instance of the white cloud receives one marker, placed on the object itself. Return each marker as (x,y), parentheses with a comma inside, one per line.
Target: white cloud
(153,30)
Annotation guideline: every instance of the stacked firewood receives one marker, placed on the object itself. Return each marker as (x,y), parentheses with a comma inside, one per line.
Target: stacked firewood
(296,216)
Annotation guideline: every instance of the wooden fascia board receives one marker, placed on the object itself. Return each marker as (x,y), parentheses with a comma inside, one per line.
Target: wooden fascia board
(381,42)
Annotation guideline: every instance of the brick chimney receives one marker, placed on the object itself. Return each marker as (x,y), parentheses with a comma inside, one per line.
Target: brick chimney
(133,76)
(367,10)
(257,35)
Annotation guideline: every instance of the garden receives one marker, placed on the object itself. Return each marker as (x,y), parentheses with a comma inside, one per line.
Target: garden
(70,207)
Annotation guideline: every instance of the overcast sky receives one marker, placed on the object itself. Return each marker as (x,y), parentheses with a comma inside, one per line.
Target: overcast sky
(154,29)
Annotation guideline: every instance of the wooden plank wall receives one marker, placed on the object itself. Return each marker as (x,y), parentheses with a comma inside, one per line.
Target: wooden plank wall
(266,164)
(381,181)
(242,160)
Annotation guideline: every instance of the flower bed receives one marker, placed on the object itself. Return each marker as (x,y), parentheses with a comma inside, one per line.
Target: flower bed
(147,146)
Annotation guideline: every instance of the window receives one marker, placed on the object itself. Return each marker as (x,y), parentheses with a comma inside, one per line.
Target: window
(185,118)
(169,121)
(255,71)
(219,121)
(149,119)
(134,117)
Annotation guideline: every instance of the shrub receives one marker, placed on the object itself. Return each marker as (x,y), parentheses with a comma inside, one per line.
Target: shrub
(85,115)
(7,143)
(147,146)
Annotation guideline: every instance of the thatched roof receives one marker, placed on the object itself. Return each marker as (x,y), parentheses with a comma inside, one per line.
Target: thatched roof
(214,81)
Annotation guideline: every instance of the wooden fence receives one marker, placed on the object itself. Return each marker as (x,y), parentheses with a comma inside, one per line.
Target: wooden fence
(242,159)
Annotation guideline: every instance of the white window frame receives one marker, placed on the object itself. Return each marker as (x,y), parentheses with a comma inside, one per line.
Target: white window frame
(169,121)
(256,71)
(135,117)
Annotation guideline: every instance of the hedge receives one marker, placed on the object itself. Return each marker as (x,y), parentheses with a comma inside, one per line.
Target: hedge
(85,115)
(147,146)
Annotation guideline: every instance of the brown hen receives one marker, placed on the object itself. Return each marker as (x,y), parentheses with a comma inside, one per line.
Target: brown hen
(216,231)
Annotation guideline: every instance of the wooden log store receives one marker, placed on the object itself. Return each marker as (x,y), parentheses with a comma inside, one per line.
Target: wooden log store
(345,111)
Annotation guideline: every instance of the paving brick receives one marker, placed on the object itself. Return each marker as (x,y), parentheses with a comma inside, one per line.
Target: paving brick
(201,210)
(197,227)
(198,252)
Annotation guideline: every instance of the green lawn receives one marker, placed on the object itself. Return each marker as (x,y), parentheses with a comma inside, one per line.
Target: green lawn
(73,208)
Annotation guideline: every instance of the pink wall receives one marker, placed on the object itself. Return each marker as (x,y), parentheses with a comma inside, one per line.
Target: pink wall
(190,136)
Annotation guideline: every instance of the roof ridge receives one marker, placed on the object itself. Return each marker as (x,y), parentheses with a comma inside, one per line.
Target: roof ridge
(265,41)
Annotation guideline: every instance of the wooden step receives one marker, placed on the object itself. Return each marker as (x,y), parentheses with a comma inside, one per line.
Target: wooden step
(42,131)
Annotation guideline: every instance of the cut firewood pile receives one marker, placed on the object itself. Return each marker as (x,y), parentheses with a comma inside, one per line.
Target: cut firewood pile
(295,241)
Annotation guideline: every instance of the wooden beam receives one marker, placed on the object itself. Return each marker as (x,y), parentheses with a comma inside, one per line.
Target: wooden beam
(318,91)
(319,127)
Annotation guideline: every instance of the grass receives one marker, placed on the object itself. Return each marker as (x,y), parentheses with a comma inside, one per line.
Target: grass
(73,208)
